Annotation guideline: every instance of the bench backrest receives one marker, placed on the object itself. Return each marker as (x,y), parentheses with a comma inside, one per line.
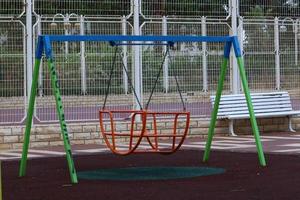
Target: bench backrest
(262,103)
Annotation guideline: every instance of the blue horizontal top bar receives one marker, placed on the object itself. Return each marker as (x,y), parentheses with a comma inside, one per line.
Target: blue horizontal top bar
(121,38)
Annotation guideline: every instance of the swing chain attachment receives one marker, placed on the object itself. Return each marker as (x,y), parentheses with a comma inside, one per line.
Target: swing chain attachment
(143,124)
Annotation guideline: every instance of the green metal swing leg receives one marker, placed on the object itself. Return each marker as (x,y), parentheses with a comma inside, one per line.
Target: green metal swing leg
(215,110)
(61,116)
(22,170)
(255,130)
(250,108)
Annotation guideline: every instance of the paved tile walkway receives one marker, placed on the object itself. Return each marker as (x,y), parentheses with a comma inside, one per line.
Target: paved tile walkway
(284,143)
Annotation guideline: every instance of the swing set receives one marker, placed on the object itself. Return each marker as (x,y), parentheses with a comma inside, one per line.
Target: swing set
(139,119)
(143,117)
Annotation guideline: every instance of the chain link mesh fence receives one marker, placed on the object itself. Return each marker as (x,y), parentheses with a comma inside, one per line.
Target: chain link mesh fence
(197,65)
(259,54)
(264,8)
(87,7)
(12,69)
(82,104)
(12,8)
(186,8)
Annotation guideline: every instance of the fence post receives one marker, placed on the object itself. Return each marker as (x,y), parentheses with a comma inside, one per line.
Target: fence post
(204,55)
(40,80)
(296,32)
(277,53)
(241,34)
(235,78)
(166,63)
(29,46)
(25,72)
(82,58)
(66,27)
(137,66)
(124,58)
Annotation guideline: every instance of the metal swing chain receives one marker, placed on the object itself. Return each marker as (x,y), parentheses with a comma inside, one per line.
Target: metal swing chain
(158,75)
(130,82)
(167,53)
(177,85)
(110,77)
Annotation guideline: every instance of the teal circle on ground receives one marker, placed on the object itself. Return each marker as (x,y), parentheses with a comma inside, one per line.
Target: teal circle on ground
(149,173)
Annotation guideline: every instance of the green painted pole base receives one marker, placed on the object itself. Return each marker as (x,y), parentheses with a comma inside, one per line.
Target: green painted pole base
(214,114)
(63,124)
(255,129)
(61,116)
(22,170)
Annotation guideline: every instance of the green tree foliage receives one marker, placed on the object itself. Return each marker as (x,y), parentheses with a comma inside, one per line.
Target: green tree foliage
(156,7)
(88,7)
(184,7)
(259,8)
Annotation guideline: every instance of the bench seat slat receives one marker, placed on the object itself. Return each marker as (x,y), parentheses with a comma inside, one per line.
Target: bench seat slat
(254,95)
(253,99)
(241,97)
(255,104)
(222,101)
(266,107)
(264,115)
(245,112)
(257,94)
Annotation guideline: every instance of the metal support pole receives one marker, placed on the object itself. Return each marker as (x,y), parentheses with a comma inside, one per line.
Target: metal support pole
(204,55)
(241,34)
(29,118)
(214,113)
(296,48)
(248,100)
(25,71)
(277,51)
(60,110)
(296,31)
(235,84)
(29,48)
(29,114)
(124,52)
(82,58)
(254,126)
(61,117)
(40,81)
(59,107)
(137,64)
(66,27)
(166,63)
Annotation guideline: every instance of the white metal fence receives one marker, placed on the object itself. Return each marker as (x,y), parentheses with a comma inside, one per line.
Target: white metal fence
(12,71)
(270,45)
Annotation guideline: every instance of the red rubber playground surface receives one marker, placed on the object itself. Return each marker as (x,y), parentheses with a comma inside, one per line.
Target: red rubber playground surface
(48,177)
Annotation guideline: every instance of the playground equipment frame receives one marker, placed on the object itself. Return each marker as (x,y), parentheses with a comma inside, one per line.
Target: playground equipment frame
(44,46)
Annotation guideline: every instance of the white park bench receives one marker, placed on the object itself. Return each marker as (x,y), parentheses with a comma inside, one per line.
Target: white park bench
(266,105)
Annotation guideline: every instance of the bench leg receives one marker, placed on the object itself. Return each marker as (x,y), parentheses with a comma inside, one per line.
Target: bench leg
(231,129)
(290,125)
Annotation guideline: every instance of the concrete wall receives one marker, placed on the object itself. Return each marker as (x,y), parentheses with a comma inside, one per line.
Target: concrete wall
(11,137)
